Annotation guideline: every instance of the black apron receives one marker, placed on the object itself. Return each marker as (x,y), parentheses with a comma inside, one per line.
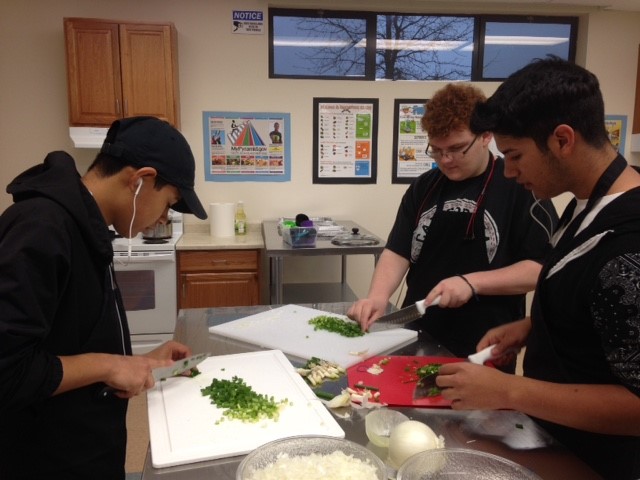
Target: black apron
(613,456)
(456,244)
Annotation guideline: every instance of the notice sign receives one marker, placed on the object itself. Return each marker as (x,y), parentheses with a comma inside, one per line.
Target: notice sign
(249,22)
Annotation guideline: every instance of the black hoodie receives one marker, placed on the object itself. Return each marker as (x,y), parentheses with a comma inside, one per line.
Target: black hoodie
(57,297)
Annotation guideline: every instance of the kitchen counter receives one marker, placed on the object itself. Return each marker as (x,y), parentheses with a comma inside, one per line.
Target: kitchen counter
(197,237)
(508,434)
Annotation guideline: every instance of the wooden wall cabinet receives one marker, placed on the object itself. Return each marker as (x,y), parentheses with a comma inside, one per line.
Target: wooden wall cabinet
(218,278)
(117,70)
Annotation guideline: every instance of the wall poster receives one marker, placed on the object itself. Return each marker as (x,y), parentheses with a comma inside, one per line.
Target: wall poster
(240,146)
(409,141)
(616,127)
(345,140)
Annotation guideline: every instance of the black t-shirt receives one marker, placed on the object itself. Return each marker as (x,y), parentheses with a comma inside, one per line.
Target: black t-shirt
(437,231)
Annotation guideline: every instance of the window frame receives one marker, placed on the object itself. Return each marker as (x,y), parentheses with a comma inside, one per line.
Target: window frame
(369,17)
(477,56)
(477,69)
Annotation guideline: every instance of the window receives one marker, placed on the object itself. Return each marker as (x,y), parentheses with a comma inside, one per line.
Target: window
(348,45)
(513,43)
(318,46)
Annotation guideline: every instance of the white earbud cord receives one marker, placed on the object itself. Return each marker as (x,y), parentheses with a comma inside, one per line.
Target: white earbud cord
(549,230)
(133,217)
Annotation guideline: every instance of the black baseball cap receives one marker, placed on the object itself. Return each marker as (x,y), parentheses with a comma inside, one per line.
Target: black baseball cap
(151,142)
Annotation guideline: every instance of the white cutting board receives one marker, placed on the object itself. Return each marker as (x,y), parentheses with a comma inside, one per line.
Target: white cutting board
(182,422)
(287,328)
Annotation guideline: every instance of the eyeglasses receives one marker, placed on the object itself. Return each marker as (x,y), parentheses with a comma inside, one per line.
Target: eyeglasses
(454,153)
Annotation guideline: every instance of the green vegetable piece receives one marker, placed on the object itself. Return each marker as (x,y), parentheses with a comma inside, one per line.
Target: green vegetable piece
(428,373)
(324,395)
(336,325)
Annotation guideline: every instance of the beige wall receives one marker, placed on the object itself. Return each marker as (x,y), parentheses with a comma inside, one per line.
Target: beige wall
(221,71)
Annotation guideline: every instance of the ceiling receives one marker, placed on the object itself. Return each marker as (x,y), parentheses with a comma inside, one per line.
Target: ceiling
(628,5)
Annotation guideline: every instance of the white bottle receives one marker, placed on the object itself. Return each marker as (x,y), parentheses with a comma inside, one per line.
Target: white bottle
(241,219)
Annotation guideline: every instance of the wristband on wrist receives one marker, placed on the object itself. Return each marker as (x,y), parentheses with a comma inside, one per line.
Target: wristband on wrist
(473,290)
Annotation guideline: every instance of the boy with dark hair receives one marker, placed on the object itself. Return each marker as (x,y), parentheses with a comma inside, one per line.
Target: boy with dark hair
(63,328)
(582,363)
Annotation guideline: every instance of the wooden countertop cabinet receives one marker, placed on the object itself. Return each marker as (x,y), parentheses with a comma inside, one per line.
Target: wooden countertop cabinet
(218,278)
(117,69)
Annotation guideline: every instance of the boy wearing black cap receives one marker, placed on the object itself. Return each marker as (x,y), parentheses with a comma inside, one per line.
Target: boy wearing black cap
(63,329)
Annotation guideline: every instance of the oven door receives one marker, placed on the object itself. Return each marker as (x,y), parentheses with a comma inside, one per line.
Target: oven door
(147,282)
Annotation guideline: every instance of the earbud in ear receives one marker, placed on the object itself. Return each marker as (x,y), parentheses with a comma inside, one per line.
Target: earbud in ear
(139,187)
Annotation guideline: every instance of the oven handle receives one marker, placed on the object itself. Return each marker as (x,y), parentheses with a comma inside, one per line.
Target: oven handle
(122,259)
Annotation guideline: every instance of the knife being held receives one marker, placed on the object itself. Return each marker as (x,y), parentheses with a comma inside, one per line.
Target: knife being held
(178,367)
(162,373)
(402,317)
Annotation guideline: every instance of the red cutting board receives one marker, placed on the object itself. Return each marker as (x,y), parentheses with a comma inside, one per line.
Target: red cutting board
(398,380)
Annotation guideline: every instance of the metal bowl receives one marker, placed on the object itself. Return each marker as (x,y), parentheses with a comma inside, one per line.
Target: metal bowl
(158,231)
(461,463)
(305,445)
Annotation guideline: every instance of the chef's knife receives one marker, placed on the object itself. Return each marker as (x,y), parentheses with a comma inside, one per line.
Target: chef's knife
(162,373)
(402,317)
(179,366)
(426,386)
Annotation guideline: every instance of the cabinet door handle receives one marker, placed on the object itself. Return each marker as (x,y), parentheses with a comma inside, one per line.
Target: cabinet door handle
(223,262)
(118,106)
(126,107)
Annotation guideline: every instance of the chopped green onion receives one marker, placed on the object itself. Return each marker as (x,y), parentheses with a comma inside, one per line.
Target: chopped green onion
(336,325)
(241,402)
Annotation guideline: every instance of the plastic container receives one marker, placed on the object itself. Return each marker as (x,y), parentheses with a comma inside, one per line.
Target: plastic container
(379,423)
(300,237)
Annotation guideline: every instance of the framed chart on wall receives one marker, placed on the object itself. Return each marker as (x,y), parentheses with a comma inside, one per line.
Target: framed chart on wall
(617,128)
(409,141)
(345,140)
(247,146)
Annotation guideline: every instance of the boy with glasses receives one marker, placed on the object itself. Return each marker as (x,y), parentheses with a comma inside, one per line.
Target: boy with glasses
(462,233)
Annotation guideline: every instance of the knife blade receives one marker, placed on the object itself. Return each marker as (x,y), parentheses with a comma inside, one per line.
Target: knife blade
(402,317)
(162,373)
(178,367)
(426,386)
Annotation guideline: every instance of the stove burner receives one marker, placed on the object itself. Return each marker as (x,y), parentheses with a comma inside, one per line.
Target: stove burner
(154,241)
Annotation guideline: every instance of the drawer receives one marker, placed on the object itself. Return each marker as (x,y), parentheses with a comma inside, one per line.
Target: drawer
(218,260)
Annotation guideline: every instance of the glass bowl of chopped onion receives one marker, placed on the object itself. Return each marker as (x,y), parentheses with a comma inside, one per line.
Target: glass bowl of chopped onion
(311,457)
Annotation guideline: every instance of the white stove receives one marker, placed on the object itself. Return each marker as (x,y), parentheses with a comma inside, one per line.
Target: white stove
(146,274)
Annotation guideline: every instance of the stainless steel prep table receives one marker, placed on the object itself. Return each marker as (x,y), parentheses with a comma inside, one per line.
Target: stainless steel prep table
(276,250)
(509,434)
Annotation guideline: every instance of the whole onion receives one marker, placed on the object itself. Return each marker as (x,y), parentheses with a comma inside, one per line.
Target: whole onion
(409,438)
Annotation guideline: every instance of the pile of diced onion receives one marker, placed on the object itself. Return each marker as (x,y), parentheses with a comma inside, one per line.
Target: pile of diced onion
(336,466)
